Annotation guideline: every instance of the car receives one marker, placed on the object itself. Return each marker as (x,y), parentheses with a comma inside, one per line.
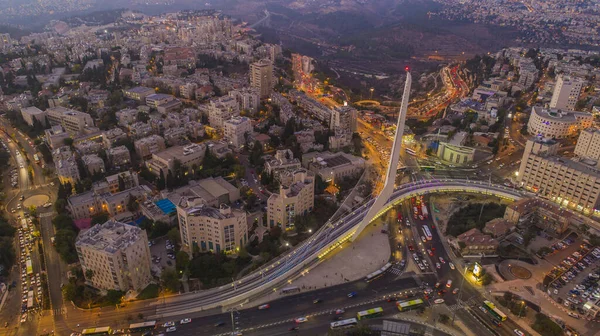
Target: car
(518,332)
(437,285)
(263,307)
(315,301)
(438,266)
(482,309)
(430,252)
(442,260)
(555,291)
(185,321)
(438,301)
(301,320)
(496,322)
(351,295)
(423,239)
(451,265)
(455,290)
(574,315)
(168,324)
(339,311)
(171,329)
(219,324)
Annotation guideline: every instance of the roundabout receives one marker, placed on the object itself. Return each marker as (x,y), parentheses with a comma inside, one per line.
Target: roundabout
(519,272)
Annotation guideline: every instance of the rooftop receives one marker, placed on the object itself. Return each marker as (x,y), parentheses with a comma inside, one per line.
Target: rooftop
(109,237)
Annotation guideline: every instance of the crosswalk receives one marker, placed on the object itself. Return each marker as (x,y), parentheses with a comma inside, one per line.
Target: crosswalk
(454,307)
(57,311)
(395,270)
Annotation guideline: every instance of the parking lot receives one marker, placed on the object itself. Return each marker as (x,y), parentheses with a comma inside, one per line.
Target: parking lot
(577,275)
(163,255)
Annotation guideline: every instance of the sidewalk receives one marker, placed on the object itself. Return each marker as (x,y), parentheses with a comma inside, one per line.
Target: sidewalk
(354,261)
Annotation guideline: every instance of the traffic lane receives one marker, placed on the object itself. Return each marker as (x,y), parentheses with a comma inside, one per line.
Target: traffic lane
(302,305)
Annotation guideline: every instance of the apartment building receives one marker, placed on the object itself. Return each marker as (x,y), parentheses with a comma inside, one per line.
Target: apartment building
(156,99)
(475,242)
(550,217)
(236,130)
(212,191)
(343,118)
(222,109)
(118,156)
(205,228)
(93,163)
(72,121)
(188,90)
(296,198)
(66,170)
(33,113)
(588,144)
(112,136)
(247,98)
(570,183)
(138,93)
(55,136)
(188,156)
(147,146)
(261,77)
(566,92)
(118,256)
(100,199)
(282,160)
(558,124)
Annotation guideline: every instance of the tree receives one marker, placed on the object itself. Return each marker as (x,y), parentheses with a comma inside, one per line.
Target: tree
(182,261)
(161,182)
(443,318)
(170,280)
(89,274)
(121,183)
(546,326)
(68,142)
(132,204)
(173,235)
(100,218)
(113,297)
(60,204)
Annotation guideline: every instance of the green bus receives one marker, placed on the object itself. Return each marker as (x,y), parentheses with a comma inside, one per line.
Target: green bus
(102,331)
(428,168)
(495,312)
(408,305)
(142,326)
(370,313)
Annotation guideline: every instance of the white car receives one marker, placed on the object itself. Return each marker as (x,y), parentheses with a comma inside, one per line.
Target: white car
(185,321)
(423,239)
(438,301)
(171,329)
(451,265)
(519,332)
(301,320)
(169,324)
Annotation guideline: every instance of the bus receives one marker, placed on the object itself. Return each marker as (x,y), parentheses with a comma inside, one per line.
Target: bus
(378,273)
(29,267)
(142,326)
(349,323)
(289,290)
(370,313)
(36,158)
(428,168)
(410,151)
(426,232)
(96,331)
(408,305)
(494,311)
(30,299)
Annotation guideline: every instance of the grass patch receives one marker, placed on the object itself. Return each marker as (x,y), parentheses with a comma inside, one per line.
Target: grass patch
(150,292)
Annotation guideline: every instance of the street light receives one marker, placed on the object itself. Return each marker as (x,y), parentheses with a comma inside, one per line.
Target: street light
(460,291)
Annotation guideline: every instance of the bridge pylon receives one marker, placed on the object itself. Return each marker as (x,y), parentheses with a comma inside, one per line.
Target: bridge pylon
(390,178)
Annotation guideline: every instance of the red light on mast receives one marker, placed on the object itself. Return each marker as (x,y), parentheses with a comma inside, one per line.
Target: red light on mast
(407,68)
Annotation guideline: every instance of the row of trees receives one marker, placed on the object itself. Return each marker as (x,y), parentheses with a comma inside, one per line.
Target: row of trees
(473,216)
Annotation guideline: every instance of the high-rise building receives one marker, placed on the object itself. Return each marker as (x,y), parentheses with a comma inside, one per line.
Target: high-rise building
(247,98)
(294,199)
(570,183)
(566,92)
(236,131)
(261,77)
(344,118)
(73,121)
(210,229)
(588,144)
(117,255)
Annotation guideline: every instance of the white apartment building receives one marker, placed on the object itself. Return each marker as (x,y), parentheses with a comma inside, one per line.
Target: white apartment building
(566,92)
(558,124)
(118,256)
(294,199)
(33,113)
(100,199)
(247,98)
(571,183)
(112,136)
(67,171)
(261,77)
(206,228)
(221,109)
(188,90)
(156,99)
(147,146)
(588,144)
(236,130)
(73,121)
